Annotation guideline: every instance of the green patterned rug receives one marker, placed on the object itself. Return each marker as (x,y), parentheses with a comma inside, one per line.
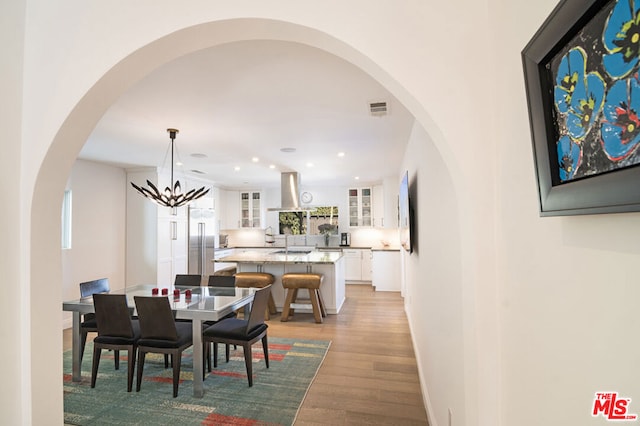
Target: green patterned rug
(274,399)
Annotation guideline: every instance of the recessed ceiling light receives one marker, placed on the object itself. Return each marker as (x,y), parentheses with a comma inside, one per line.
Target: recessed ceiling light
(198,155)
(288,149)
(357,178)
(178,163)
(272,166)
(236,168)
(309,164)
(255,159)
(341,154)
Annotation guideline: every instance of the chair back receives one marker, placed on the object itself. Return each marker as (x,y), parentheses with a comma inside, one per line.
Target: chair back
(258,307)
(156,318)
(188,280)
(96,286)
(222,281)
(112,315)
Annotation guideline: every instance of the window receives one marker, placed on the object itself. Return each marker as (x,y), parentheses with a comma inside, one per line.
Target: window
(66,220)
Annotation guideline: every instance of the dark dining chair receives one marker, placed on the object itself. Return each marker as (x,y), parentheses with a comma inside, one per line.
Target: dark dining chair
(116,331)
(161,334)
(187,280)
(221,281)
(243,332)
(88,324)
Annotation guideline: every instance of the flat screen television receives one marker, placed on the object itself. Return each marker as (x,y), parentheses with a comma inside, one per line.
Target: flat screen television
(405,214)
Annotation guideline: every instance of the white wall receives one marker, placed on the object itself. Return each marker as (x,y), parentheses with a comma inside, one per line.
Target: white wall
(568,285)
(535,314)
(98,229)
(434,293)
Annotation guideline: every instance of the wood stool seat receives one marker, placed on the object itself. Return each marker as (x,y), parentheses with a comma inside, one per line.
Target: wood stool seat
(292,282)
(258,280)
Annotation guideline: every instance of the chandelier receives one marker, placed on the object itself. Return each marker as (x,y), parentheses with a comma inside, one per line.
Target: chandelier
(172,196)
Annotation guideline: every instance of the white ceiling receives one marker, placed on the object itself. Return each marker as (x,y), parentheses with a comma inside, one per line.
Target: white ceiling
(250,99)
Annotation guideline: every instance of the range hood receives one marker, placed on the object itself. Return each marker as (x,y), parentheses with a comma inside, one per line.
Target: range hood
(289,193)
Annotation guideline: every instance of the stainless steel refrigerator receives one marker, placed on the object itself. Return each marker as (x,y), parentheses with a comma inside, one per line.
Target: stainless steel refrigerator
(203,238)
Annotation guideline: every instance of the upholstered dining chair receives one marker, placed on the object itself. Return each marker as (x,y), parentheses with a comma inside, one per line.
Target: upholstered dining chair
(160,333)
(116,331)
(88,324)
(221,281)
(243,332)
(187,280)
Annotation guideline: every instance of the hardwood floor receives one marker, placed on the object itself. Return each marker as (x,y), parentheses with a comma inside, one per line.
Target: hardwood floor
(369,375)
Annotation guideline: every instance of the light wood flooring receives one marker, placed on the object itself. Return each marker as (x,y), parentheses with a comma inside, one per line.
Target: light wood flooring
(369,376)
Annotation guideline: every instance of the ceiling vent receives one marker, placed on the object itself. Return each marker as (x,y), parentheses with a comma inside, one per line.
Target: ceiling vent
(378,108)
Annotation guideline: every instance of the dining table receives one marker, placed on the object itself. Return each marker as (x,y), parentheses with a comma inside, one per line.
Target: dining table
(197,304)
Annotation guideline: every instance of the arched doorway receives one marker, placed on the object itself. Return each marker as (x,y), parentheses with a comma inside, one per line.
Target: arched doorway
(46,396)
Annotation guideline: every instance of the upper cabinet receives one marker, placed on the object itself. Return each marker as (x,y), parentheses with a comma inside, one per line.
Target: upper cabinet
(241,209)
(250,209)
(360,207)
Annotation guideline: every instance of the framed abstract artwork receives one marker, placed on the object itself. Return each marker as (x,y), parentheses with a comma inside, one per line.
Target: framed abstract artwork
(582,80)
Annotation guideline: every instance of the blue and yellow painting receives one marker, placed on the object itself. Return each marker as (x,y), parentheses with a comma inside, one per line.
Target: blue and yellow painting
(596,94)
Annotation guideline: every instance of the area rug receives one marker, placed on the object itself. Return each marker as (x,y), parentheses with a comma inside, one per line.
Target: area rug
(274,398)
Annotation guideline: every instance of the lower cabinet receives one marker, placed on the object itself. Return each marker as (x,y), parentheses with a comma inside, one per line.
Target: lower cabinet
(385,269)
(357,264)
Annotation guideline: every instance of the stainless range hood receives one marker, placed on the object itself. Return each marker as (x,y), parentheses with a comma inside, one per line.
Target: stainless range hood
(289,193)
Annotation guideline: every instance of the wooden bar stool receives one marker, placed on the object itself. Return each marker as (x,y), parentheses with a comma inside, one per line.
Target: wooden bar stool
(311,282)
(258,280)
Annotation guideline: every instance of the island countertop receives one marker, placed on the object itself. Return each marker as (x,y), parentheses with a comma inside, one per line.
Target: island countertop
(260,257)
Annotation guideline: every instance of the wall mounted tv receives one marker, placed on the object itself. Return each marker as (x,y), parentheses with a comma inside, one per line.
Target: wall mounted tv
(405,214)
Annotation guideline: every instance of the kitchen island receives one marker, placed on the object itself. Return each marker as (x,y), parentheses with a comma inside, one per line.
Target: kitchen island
(279,262)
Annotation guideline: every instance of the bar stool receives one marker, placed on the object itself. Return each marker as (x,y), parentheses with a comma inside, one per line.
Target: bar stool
(258,280)
(311,282)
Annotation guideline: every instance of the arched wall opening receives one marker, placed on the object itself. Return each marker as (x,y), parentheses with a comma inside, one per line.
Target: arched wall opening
(45,260)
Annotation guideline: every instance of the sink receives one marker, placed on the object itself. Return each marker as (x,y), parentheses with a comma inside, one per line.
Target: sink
(292,252)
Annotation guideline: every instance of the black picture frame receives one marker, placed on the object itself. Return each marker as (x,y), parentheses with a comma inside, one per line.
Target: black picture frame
(614,191)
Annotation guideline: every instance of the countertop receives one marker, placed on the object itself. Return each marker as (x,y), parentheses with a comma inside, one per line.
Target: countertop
(255,256)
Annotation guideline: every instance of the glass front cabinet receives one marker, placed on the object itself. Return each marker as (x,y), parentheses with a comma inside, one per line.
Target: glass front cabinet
(250,212)
(360,207)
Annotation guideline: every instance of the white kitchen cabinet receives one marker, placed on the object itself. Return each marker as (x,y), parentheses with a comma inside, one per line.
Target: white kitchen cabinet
(357,264)
(385,270)
(360,207)
(366,265)
(241,209)
(156,236)
(385,204)
(251,209)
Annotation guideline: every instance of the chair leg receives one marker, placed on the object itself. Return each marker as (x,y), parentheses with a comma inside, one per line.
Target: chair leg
(322,305)
(166,360)
(226,351)
(94,365)
(294,298)
(315,305)
(272,305)
(206,359)
(141,356)
(131,362)
(248,362)
(265,350)
(83,343)
(287,306)
(215,355)
(116,358)
(176,360)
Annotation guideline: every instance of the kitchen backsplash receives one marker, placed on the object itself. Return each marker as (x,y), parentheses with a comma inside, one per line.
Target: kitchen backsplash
(360,237)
